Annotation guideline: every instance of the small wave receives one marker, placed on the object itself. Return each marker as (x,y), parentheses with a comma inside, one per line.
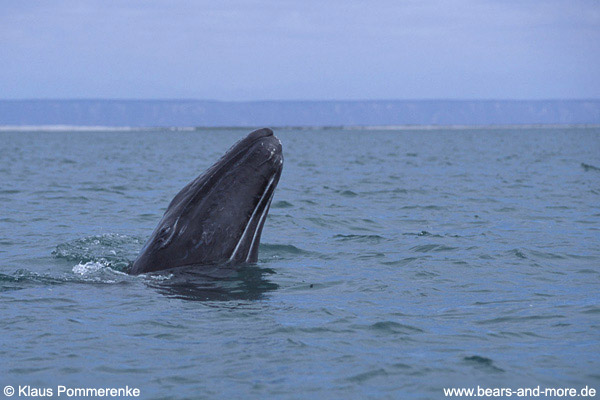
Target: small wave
(589,167)
(110,250)
(387,191)
(348,193)
(319,221)
(432,247)
(395,327)
(365,376)
(482,362)
(516,319)
(591,310)
(282,204)
(518,253)
(547,255)
(587,271)
(101,189)
(281,248)
(360,238)
(422,233)
(420,207)
(308,201)
(400,263)
(217,284)
(426,274)
(84,274)
(25,276)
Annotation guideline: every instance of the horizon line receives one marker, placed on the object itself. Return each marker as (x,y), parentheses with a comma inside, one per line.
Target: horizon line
(294,100)
(99,128)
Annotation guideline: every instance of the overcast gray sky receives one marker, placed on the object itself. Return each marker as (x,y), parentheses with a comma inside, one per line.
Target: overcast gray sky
(314,50)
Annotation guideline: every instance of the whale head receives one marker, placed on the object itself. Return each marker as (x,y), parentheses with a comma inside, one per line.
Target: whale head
(219,216)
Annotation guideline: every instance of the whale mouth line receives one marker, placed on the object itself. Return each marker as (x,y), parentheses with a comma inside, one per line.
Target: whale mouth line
(260,223)
(270,191)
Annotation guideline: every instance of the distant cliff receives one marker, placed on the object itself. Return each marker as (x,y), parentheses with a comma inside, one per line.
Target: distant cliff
(303,113)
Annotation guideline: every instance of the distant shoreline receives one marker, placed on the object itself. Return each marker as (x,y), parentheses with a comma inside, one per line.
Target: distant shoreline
(84,128)
(193,113)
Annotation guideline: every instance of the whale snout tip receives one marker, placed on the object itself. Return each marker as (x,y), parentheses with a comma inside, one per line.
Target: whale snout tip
(261,133)
(269,151)
(265,146)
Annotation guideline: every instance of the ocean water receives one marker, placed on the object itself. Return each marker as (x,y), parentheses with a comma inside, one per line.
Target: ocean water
(394,263)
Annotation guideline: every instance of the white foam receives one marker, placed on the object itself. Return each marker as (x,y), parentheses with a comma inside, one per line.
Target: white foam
(88,268)
(161,277)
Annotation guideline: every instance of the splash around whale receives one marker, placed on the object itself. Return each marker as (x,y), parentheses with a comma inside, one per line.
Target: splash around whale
(218,217)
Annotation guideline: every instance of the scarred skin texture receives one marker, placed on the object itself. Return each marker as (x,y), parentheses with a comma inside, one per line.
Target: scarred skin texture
(218,217)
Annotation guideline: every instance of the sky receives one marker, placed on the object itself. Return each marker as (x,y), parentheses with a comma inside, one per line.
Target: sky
(236,50)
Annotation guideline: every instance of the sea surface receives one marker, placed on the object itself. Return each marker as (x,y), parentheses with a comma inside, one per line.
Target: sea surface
(395,262)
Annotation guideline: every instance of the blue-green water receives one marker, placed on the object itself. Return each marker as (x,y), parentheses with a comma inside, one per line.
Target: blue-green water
(393,263)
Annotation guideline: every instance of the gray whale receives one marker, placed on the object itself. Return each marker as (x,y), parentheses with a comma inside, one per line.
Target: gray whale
(218,217)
